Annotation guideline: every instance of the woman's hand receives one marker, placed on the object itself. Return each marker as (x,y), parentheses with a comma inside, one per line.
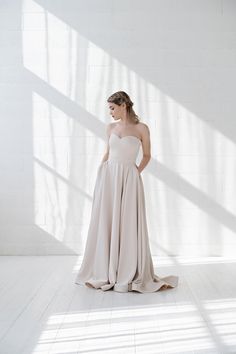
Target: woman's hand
(137,168)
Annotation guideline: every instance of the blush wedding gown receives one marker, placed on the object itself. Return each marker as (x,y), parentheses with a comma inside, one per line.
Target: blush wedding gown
(117,254)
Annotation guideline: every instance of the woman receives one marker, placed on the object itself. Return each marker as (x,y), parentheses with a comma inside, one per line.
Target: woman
(117,254)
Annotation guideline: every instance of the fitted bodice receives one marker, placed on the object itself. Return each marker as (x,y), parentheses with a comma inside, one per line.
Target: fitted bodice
(124,149)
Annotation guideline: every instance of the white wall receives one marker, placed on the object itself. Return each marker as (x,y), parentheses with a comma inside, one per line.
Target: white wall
(59,62)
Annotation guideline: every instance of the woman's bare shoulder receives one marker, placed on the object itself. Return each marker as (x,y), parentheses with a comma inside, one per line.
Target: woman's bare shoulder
(143,128)
(110,127)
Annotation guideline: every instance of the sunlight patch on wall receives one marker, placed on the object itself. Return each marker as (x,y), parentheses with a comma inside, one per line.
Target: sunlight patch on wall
(58,188)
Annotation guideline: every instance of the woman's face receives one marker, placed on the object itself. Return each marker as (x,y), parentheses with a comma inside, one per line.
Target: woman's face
(116,111)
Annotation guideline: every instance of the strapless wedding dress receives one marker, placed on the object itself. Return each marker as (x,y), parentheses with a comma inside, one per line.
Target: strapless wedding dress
(117,254)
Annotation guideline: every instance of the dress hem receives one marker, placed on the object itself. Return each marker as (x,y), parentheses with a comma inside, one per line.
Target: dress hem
(168,282)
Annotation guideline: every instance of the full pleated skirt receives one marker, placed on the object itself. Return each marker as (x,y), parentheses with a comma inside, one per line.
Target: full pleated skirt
(117,254)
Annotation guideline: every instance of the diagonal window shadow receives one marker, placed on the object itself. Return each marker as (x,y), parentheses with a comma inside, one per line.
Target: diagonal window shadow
(157,169)
(217,113)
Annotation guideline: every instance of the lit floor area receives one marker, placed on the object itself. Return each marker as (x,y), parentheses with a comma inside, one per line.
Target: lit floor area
(43,311)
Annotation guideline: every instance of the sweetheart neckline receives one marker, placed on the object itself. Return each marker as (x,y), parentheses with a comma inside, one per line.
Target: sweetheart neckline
(126,136)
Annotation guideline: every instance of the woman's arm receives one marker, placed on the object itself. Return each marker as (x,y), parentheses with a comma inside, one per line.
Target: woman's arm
(146,145)
(108,130)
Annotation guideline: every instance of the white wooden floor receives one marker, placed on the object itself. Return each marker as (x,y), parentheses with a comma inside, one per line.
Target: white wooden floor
(43,311)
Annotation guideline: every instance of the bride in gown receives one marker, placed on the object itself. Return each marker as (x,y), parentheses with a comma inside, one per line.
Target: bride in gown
(117,254)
